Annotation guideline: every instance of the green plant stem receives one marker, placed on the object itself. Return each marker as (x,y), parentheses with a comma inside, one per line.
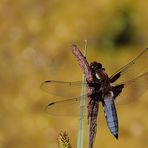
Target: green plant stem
(80,141)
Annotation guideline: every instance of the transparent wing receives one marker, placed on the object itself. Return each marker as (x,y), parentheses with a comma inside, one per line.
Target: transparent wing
(67,107)
(63,102)
(133,89)
(136,63)
(61,88)
(64,89)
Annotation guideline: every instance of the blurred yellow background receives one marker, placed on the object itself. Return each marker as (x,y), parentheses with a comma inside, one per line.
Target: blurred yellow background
(35,45)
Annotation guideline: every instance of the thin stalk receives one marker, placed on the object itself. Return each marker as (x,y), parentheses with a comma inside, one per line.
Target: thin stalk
(80,140)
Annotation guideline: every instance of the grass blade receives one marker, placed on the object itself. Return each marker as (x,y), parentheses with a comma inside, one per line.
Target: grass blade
(80,141)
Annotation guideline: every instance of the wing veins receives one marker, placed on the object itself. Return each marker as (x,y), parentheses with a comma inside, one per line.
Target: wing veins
(134,79)
(127,66)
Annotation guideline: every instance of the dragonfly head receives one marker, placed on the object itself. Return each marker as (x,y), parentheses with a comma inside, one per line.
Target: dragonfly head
(96,69)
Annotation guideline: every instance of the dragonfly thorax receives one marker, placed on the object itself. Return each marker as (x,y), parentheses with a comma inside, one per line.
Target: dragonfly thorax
(100,77)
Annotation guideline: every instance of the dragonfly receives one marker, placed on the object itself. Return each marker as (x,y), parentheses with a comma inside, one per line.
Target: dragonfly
(106,90)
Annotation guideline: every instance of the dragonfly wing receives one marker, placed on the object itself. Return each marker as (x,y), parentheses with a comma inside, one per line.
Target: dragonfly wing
(61,88)
(140,59)
(67,107)
(132,89)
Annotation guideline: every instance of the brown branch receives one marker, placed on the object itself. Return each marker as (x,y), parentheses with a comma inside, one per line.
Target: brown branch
(92,105)
(83,63)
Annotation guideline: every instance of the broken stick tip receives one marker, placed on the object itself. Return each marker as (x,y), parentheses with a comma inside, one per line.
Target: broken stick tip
(74,45)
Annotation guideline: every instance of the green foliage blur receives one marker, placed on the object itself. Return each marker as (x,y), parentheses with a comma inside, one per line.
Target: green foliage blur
(35,45)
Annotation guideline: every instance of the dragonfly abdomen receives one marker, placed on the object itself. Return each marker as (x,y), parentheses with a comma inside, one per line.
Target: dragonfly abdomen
(111,116)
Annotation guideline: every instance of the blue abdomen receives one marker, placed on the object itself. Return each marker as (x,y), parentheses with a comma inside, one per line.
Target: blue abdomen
(111,116)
